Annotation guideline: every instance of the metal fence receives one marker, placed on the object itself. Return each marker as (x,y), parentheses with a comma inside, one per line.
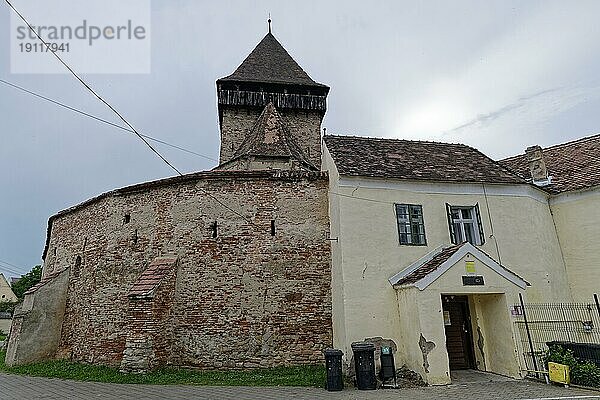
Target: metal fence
(573,325)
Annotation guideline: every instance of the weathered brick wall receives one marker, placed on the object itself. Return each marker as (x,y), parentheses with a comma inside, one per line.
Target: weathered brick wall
(305,127)
(235,125)
(241,300)
(150,319)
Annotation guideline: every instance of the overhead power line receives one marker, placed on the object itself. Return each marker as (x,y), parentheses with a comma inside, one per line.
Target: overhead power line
(7,263)
(8,267)
(88,87)
(361,198)
(68,107)
(10,270)
(10,273)
(119,114)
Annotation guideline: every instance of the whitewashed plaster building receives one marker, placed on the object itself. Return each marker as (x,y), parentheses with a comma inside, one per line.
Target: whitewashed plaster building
(434,242)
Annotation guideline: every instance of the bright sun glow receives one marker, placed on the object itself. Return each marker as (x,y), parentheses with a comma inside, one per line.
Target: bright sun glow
(440,110)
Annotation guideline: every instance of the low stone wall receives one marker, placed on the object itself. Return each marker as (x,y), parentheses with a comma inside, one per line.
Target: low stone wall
(37,321)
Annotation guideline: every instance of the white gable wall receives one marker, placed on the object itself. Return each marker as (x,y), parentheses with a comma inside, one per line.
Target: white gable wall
(6,293)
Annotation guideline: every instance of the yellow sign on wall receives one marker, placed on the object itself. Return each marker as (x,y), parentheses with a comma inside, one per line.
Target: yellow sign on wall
(470,267)
(559,373)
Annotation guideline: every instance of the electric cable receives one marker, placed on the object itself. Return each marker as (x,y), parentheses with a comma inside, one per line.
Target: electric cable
(58,103)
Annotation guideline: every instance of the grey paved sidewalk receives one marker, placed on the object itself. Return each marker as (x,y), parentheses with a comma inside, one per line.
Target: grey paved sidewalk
(14,387)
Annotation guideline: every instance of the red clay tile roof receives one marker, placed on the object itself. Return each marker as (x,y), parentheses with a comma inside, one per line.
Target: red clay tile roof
(437,261)
(269,62)
(429,266)
(152,277)
(415,160)
(573,165)
(270,137)
(44,281)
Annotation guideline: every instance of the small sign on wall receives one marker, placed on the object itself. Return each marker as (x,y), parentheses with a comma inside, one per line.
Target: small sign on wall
(516,311)
(470,267)
(447,318)
(472,280)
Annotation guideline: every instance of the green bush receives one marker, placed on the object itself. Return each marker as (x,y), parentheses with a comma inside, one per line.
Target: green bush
(8,306)
(560,355)
(583,372)
(586,374)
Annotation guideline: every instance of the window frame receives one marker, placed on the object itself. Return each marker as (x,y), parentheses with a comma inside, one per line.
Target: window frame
(410,235)
(475,220)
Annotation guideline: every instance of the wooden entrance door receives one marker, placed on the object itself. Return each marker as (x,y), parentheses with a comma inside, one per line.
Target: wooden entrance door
(457,322)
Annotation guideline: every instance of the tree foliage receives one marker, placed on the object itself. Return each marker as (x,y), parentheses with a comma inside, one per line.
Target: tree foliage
(7,306)
(27,281)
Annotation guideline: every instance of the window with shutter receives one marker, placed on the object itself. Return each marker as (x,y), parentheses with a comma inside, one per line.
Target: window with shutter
(465,224)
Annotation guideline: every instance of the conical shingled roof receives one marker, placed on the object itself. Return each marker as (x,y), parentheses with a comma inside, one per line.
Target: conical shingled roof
(269,62)
(270,137)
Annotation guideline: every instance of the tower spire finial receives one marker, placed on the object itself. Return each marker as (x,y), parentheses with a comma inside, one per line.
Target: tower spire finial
(269,21)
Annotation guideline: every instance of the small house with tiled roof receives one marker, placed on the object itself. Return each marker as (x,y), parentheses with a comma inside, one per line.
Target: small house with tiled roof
(6,295)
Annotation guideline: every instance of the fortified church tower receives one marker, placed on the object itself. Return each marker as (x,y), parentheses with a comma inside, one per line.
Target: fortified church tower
(270,112)
(221,269)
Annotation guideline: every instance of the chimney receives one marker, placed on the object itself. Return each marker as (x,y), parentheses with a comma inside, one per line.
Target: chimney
(537,166)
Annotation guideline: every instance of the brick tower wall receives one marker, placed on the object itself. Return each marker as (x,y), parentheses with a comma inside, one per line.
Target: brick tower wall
(244,299)
(304,125)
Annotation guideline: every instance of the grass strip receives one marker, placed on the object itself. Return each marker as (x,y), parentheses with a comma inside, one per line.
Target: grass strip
(307,375)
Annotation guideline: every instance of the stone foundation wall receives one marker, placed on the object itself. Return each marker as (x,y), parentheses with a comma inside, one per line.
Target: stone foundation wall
(243,299)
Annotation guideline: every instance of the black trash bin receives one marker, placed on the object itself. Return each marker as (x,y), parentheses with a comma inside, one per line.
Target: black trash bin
(333,364)
(364,365)
(388,368)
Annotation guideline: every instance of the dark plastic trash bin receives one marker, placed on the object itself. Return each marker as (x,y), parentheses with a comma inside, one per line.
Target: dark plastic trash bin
(364,365)
(388,367)
(333,364)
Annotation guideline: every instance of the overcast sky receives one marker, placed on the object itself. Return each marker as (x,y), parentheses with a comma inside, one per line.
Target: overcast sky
(497,75)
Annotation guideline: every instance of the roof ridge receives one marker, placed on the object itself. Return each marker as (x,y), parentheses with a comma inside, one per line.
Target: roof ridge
(396,140)
(580,140)
(555,146)
(497,163)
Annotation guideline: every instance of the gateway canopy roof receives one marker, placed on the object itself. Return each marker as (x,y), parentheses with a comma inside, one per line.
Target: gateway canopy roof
(431,266)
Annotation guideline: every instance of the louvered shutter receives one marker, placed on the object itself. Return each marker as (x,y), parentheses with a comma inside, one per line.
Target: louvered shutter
(479,225)
(450,224)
